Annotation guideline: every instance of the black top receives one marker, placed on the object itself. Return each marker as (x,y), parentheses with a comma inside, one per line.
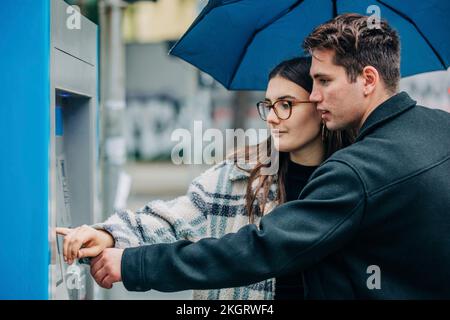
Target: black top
(290,287)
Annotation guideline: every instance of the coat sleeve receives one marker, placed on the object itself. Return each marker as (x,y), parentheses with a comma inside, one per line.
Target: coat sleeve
(184,218)
(292,237)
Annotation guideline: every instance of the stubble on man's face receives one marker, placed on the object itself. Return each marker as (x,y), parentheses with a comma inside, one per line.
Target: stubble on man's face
(340,101)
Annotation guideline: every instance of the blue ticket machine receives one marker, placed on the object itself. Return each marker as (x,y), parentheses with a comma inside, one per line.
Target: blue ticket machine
(48,115)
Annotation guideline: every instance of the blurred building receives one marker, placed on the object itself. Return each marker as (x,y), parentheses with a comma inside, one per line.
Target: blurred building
(163,20)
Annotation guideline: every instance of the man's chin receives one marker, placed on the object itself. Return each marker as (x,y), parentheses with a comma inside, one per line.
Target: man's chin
(331,126)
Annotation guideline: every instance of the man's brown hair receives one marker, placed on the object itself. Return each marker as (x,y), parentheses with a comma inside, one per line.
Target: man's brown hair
(357,44)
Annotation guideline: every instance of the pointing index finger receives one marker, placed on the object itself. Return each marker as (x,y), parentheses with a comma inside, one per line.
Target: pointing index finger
(63,231)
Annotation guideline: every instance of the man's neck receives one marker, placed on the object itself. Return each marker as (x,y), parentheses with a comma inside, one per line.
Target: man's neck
(374,101)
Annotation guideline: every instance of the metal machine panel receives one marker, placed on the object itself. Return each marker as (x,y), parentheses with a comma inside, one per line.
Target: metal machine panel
(73,91)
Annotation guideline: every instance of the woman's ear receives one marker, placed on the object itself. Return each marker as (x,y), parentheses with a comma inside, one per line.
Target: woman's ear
(371,79)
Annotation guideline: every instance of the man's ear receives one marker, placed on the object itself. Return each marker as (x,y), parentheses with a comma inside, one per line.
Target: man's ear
(371,79)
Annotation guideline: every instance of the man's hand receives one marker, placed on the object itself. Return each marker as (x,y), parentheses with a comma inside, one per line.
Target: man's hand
(83,242)
(105,268)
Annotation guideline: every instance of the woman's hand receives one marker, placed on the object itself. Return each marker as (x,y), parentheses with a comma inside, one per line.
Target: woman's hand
(83,242)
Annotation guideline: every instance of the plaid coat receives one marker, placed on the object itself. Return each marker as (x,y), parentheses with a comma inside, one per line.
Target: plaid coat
(213,206)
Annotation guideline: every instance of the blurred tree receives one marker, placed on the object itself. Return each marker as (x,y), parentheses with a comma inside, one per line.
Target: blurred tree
(242,101)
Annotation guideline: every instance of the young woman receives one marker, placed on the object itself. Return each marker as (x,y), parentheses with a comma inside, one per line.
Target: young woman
(227,196)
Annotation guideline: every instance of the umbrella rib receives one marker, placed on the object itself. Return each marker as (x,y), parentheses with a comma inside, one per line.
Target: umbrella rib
(255,33)
(404,16)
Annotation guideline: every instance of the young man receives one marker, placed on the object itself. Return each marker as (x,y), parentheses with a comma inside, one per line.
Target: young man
(374,219)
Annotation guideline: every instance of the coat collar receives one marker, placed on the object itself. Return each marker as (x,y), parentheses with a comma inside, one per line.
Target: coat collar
(386,111)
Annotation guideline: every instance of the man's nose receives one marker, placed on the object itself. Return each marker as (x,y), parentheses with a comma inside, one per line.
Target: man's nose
(315,96)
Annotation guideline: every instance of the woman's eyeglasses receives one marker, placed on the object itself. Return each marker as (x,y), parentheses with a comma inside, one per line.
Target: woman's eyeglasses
(282,108)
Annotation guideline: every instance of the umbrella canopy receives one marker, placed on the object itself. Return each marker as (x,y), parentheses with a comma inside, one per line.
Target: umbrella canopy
(238,42)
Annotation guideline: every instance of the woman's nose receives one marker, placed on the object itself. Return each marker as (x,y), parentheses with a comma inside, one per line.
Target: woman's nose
(272,117)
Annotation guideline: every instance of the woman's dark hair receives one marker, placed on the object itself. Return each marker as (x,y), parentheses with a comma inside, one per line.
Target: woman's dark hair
(297,71)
